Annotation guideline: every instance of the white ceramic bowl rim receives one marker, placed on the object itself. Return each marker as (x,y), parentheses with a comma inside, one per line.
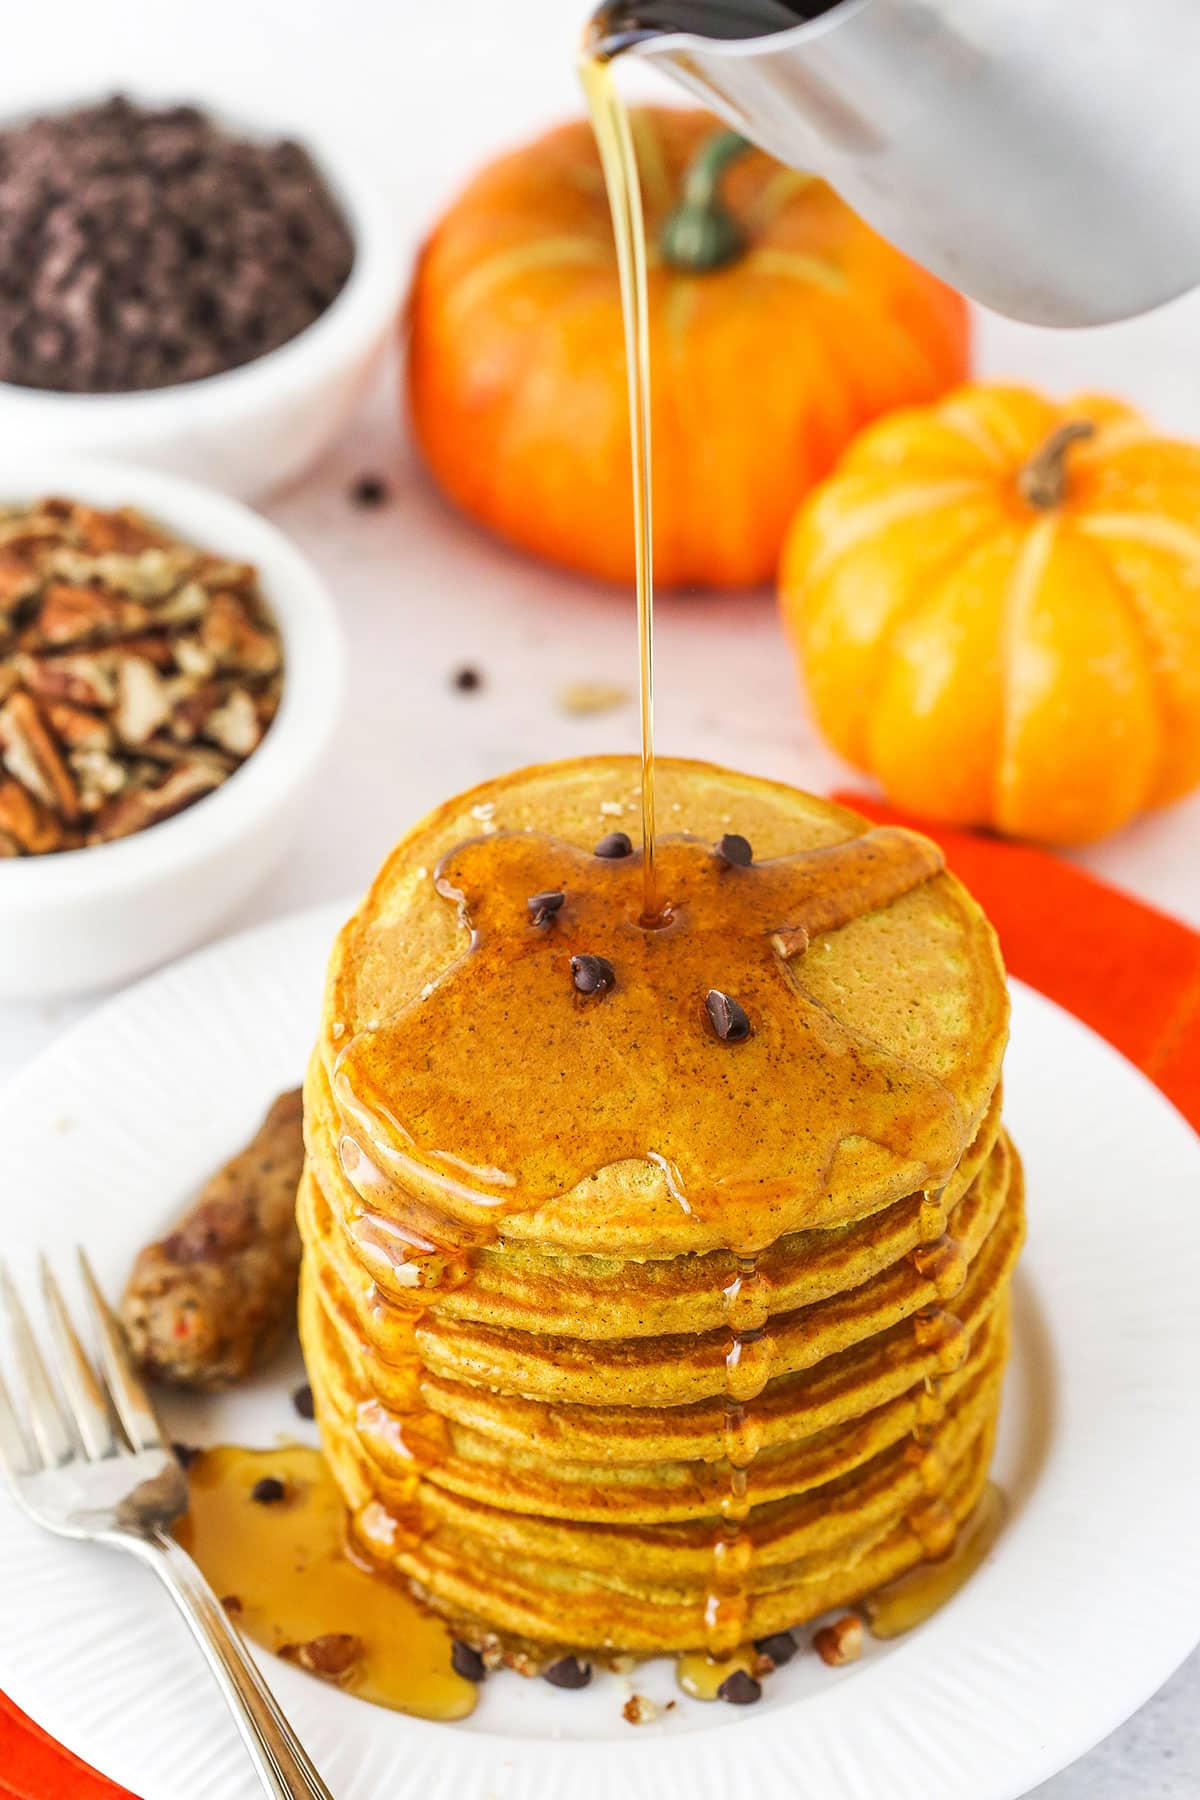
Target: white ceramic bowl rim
(314,660)
(369,296)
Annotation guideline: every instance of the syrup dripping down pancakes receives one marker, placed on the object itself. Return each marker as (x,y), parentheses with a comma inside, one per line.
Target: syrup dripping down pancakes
(630,1329)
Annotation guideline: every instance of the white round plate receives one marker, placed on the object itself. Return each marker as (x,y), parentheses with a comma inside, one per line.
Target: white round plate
(1089,1601)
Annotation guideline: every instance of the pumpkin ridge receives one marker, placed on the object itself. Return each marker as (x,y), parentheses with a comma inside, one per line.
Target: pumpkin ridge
(563,250)
(878,514)
(1142,614)
(1029,568)
(780,187)
(515,423)
(795,265)
(1149,530)
(1013,446)
(1112,437)
(922,587)
(883,323)
(971,429)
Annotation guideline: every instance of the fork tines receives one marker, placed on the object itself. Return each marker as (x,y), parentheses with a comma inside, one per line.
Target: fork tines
(67,1410)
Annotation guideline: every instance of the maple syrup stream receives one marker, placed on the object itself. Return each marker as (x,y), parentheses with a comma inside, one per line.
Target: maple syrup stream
(610,121)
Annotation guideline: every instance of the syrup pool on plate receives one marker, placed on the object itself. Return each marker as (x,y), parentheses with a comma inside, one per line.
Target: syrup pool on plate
(281,1566)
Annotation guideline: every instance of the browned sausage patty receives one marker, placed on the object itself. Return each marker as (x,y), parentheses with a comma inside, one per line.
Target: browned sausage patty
(209,1302)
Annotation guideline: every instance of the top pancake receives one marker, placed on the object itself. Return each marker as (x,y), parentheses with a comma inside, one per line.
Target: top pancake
(918,981)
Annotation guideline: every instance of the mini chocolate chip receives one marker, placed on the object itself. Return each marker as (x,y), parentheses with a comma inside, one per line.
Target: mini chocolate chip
(729,1020)
(593,974)
(542,907)
(617,843)
(780,1647)
(186,1454)
(467,1662)
(369,490)
(231,1603)
(568,1672)
(467,680)
(740,1689)
(302,1400)
(268,1491)
(735,851)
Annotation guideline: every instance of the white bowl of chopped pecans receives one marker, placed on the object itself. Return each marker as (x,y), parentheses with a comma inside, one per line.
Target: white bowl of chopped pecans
(171,672)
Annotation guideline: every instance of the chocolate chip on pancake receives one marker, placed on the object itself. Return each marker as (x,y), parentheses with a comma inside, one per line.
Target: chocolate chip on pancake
(734,851)
(542,907)
(593,974)
(616,844)
(729,1019)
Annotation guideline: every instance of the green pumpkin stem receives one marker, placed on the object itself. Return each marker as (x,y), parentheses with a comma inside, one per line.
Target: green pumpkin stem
(701,234)
(1042,482)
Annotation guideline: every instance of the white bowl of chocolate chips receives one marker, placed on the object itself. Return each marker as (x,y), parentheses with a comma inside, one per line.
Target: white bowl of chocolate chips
(197,295)
(171,674)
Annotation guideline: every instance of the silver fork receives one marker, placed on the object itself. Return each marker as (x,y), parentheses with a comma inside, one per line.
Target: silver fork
(87,1458)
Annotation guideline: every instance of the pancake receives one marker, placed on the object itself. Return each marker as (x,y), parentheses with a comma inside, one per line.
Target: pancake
(621,1337)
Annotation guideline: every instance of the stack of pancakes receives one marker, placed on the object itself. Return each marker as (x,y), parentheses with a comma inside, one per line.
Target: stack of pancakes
(608,1421)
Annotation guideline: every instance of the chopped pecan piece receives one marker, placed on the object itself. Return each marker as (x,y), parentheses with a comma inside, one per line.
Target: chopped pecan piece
(77,728)
(122,530)
(196,661)
(188,604)
(192,705)
(19,581)
(233,638)
(234,725)
(99,776)
(85,678)
(80,615)
(841,1642)
(139,807)
(157,650)
(268,705)
(332,1656)
(31,827)
(167,752)
(143,700)
(30,753)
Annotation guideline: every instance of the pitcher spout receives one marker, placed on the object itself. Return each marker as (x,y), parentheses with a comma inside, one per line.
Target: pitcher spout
(1038,157)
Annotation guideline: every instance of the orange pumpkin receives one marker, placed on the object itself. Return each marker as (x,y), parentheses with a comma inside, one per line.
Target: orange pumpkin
(762,368)
(995,603)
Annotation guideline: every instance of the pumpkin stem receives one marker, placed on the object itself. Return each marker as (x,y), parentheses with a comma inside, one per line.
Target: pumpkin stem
(701,234)
(1042,482)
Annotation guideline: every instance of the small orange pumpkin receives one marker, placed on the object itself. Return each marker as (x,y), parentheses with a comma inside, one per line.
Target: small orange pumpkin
(763,367)
(995,603)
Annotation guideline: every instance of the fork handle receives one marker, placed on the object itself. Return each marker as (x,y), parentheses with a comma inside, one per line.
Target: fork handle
(280,1759)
